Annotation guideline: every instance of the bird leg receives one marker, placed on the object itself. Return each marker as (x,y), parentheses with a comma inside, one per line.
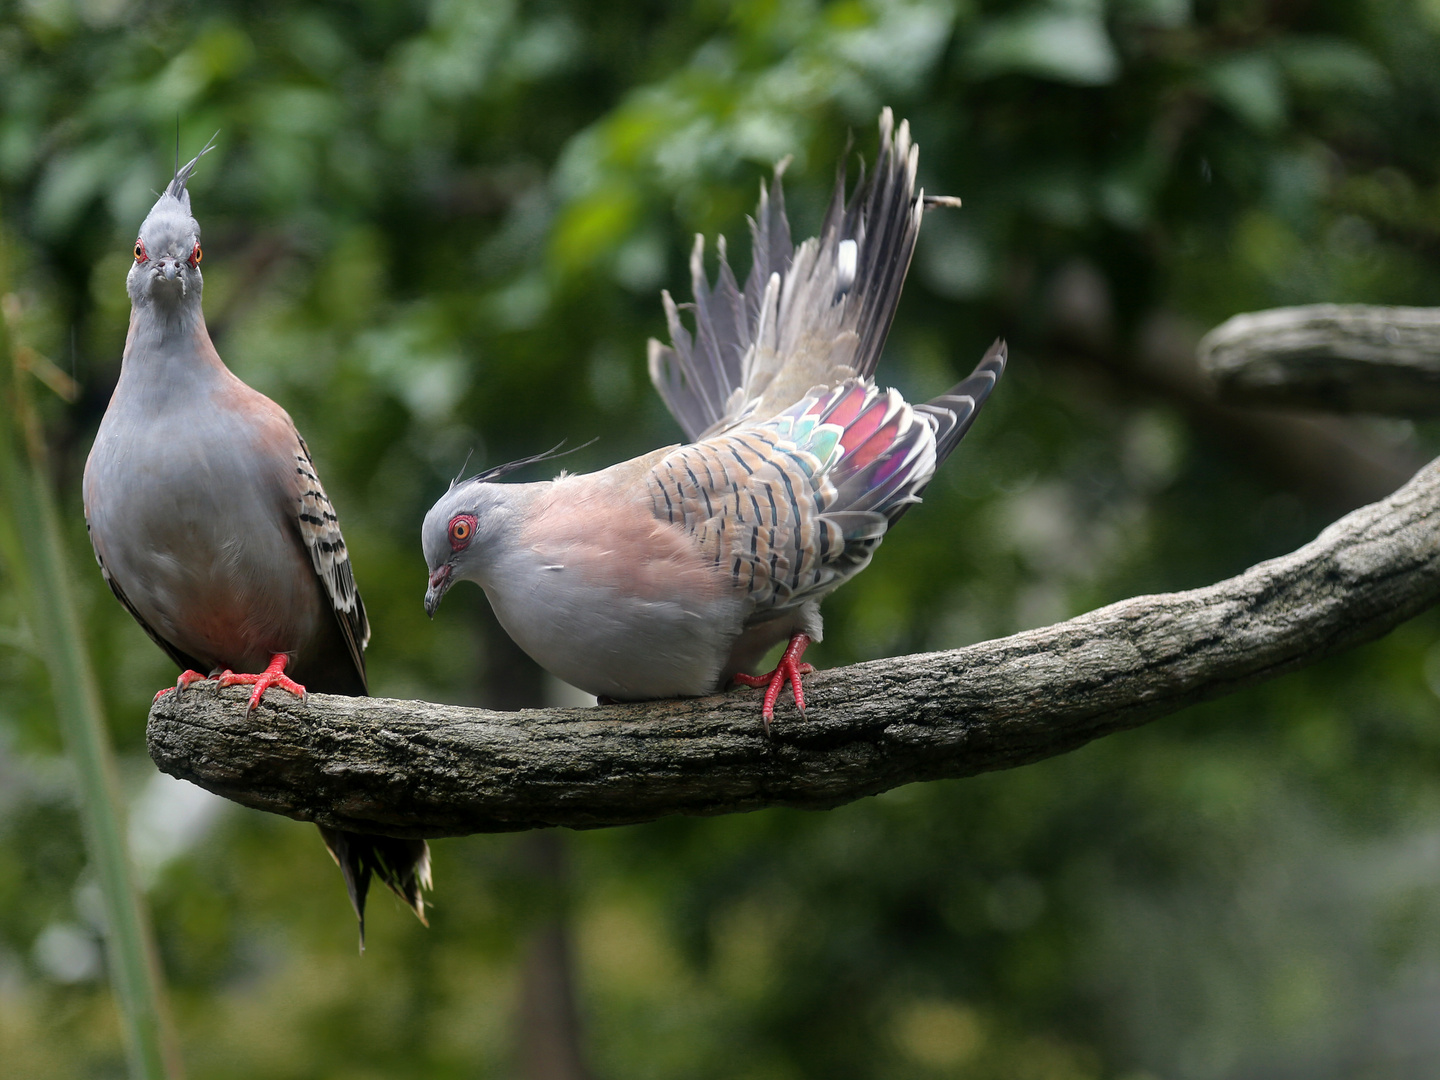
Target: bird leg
(186,678)
(789,669)
(274,675)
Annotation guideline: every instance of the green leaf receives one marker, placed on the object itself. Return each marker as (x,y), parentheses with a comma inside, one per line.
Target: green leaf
(1066,46)
(1250,84)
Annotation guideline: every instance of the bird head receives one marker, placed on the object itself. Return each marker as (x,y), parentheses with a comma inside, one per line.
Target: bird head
(167,249)
(462,530)
(458,533)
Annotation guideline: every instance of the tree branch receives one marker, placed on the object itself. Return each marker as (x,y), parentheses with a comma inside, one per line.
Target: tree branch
(1335,357)
(409,768)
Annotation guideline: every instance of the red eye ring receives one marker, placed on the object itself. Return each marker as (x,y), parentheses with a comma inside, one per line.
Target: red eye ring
(195,254)
(140,253)
(462,529)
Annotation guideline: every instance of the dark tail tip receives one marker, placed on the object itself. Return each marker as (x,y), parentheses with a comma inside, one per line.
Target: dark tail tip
(956,409)
(402,864)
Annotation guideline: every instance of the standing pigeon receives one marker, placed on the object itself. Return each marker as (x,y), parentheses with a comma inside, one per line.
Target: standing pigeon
(674,573)
(211,527)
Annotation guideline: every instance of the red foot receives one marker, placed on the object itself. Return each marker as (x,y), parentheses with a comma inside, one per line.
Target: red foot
(186,678)
(789,669)
(274,675)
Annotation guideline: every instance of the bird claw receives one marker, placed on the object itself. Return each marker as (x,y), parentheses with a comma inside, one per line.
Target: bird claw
(274,675)
(789,669)
(186,678)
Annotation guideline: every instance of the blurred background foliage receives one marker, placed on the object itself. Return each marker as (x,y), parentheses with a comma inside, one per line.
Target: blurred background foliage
(432,227)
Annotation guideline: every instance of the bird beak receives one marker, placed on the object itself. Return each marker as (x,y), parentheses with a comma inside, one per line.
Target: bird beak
(439,586)
(170,270)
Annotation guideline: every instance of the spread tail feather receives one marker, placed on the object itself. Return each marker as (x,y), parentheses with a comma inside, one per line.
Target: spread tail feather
(809,315)
(402,864)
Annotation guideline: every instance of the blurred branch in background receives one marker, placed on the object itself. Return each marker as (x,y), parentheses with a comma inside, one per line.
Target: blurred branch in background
(34,552)
(1334,462)
(1349,358)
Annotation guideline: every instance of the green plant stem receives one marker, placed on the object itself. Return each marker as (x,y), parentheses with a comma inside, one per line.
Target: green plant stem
(33,547)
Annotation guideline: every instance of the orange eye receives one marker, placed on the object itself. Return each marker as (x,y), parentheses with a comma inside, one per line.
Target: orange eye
(140,255)
(461,529)
(195,255)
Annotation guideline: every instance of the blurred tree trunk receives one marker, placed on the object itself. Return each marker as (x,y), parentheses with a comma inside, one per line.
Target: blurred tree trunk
(547,1020)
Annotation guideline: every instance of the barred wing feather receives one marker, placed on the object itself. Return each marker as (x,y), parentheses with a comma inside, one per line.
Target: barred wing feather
(320,530)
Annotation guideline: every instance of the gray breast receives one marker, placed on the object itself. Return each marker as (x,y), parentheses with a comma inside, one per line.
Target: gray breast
(192,526)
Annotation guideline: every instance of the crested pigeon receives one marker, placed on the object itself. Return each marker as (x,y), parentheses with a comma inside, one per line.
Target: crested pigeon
(212,528)
(672,574)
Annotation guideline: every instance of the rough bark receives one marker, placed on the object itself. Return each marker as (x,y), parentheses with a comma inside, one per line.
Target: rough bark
(1335,357)
(410,768)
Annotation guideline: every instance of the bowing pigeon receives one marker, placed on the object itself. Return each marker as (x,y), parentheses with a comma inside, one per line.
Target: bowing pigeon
(211,527)
(672,574)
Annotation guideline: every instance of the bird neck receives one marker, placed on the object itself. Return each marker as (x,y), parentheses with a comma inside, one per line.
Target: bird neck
(157,325)
(169,348)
